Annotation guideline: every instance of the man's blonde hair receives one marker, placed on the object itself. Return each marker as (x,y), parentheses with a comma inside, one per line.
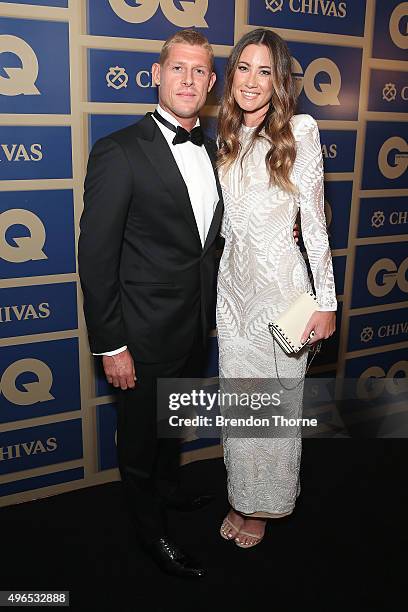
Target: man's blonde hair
(189,37)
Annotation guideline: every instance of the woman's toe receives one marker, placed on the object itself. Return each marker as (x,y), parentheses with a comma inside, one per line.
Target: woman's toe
(228,531)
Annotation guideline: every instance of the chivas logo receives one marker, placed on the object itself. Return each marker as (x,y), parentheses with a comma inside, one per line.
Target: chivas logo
(398,38)
(20,81)
(378,218)
(191,14)
(117,77)
(19,152)
(397,217)
(144,79)
(25,449)
(384,275)
(389,92)
(34,392)
(327,8)
(24,312)
(367,334)
(274,5)
(393,329)
(329,152)
(384,331)
(393,157)
(25,248)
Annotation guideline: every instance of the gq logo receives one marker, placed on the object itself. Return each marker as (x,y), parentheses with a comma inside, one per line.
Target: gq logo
(390,275)
(367,388)
(28,248)
(192,14)
(20,81)
(399,39)
(35,392)
(324,94)
(394,150)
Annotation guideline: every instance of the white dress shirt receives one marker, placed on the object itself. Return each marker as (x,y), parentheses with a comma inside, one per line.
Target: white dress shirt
(198,174)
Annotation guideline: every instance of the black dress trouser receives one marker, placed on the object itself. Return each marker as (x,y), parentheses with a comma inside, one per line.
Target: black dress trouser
(148,464)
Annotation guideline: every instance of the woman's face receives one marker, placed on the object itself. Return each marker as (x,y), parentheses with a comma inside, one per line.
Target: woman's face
(252,84)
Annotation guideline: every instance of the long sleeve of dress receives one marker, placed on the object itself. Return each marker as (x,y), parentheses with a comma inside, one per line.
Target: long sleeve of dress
(310,178)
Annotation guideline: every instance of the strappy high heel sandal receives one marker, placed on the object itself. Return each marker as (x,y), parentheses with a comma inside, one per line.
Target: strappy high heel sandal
(226,522)
(257,539)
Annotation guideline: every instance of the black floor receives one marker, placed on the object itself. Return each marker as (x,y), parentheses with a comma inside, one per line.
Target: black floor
(344,546)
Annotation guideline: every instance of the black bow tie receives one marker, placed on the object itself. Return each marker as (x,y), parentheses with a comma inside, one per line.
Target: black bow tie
(196,135)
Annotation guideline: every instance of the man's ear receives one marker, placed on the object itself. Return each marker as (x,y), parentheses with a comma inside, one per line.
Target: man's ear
(213,78)
(156,73)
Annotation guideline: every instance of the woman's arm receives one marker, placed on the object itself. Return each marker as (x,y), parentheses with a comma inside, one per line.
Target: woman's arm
(309,164)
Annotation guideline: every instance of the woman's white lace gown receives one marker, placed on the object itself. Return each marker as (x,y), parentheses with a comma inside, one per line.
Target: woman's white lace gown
(261,272)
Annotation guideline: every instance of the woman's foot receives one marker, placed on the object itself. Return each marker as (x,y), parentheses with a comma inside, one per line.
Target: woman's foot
(231,525)
(251,532)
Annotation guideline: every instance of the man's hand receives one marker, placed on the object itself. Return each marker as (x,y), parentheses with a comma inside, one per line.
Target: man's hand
(323,323)
(120,370)
(296,232)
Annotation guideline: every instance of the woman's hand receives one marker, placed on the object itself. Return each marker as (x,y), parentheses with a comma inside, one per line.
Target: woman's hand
(323,323)
(296,232)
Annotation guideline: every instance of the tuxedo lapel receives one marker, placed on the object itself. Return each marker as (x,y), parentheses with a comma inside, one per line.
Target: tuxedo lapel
(216,220)
(158,152)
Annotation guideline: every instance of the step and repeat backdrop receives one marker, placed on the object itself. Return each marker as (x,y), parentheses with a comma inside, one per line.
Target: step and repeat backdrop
(72,71)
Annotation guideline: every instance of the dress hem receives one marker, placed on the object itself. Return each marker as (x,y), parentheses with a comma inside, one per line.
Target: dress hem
(263,513)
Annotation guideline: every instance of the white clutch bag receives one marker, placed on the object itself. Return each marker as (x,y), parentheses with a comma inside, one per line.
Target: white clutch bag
(288,329)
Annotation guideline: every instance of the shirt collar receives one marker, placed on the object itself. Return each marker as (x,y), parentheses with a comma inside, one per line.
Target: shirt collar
(170,118)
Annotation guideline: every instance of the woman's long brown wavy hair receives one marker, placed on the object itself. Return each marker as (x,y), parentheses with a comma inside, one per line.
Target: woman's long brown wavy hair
(276,125)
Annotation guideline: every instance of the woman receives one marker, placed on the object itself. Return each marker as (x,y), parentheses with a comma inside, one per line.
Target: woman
(270,165)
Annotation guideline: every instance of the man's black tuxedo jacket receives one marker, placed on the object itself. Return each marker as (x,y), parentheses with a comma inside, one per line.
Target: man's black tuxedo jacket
(146,279)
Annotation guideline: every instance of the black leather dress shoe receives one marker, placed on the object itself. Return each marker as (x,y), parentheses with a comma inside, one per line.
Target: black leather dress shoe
(174,561)
(189,504)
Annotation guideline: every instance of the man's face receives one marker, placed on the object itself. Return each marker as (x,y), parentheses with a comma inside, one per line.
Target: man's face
(185,80)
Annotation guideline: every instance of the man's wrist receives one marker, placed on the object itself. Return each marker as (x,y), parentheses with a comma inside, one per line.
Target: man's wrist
(112,353)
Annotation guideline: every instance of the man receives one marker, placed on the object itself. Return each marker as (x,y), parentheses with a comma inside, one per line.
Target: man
(152,211)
